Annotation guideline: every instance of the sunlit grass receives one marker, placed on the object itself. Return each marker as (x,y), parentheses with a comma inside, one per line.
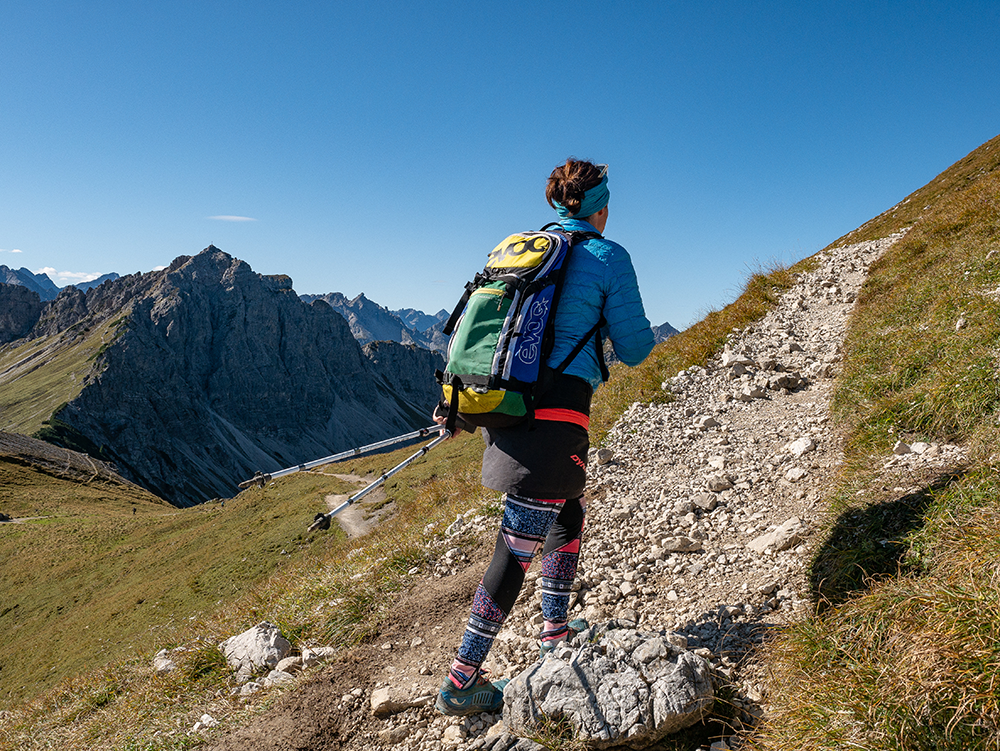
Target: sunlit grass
(37,377)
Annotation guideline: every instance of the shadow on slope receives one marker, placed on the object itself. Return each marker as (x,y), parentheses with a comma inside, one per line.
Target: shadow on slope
(866,544)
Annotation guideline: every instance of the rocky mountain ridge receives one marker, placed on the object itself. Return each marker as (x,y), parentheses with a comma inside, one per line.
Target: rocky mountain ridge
(370,322)
(40,284)
(664,331)
(20,309)
(418,320)
(212,372)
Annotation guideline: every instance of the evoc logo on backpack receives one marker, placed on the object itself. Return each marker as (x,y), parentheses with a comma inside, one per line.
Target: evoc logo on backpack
(503,329)
(530,345)
(519,251)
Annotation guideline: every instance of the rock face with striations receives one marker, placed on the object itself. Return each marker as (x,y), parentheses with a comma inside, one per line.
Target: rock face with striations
(20,308)
(409,369)
(218,372)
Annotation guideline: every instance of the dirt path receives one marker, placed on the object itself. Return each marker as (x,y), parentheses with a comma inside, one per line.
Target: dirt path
(21,519)
(359,518)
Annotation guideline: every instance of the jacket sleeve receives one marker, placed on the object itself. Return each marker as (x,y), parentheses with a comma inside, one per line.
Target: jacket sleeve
(628,328)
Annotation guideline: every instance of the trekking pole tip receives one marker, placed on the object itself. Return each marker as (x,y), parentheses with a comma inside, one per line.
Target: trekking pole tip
(320,521)
(259,479)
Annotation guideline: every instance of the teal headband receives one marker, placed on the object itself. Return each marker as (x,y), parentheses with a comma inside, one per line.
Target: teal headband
(594,200)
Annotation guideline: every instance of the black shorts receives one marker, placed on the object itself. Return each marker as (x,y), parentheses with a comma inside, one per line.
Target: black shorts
(540,459)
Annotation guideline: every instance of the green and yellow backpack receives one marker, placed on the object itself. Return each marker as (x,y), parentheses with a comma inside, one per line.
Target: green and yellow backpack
(502,330)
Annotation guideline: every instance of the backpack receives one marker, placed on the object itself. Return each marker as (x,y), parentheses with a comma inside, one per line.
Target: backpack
(502,331)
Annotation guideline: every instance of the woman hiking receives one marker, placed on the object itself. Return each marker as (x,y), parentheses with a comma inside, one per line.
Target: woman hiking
(540,465)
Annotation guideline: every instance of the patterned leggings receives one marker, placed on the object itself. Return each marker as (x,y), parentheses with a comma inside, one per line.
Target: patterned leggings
(529,525)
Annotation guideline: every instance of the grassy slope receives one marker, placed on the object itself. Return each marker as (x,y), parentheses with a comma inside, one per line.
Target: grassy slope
(39,376)
(905,650)
(91,580)
(203,574)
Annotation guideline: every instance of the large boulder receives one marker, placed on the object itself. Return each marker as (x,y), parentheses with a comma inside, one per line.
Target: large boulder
(255,650)
(614,687)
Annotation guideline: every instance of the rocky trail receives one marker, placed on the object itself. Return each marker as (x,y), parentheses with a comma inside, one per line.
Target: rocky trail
(701,513)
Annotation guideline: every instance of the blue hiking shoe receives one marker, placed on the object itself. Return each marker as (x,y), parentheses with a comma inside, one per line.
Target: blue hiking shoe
(574,627)
(481,696)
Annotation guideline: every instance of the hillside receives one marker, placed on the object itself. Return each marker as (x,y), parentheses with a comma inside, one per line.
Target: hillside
(94,567)
(192,378)
(857,394)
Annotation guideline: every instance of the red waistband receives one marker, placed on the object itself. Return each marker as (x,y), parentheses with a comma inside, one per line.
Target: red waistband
(564,415)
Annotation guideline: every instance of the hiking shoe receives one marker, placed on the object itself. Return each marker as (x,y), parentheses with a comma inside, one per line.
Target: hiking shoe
(481,696)
(575,627)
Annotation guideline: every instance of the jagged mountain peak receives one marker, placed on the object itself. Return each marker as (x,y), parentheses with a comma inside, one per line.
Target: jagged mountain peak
(206,371)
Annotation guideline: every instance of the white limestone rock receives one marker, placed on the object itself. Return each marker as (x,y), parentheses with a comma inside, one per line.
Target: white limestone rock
(616,686)
(256,649)
(801,446)
(787,535)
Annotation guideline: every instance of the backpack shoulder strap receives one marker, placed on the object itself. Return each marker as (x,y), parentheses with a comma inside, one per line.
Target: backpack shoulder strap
(575,235)
(582,342)
(578,236)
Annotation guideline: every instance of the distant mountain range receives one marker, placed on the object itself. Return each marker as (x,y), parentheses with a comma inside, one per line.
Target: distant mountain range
(663,332)
(369,321)
(45,287)
(417,320)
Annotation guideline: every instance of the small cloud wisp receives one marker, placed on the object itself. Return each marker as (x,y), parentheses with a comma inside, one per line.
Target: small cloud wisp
(67,277)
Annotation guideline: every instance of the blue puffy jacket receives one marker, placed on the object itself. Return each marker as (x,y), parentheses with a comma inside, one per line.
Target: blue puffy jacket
(599,278)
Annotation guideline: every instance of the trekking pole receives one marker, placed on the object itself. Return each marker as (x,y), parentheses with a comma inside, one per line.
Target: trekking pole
(260,479)
(322,521)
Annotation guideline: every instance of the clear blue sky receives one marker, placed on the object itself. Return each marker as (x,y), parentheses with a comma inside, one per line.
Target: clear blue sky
(384,148)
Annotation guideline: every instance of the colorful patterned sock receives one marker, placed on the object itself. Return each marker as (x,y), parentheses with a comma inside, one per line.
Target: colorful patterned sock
(554,631)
